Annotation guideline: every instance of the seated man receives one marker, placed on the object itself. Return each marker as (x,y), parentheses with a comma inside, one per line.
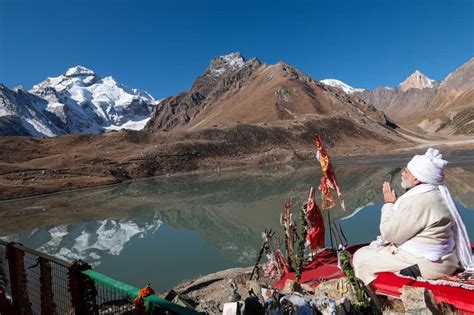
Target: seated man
(422,232)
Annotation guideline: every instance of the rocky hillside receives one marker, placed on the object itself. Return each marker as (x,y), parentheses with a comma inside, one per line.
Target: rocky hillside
(394,102)
(422,104)
(219,76)
(30,166)
(238,113)
(77,101)
(234,91)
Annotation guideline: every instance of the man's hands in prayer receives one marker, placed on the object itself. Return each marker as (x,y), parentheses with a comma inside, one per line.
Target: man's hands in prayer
(389,194)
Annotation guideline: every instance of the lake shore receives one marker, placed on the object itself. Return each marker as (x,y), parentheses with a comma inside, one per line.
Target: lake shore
(276,182)
(23,179)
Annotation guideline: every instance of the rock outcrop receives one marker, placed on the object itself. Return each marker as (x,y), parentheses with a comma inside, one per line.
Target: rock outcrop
(427,106)
(249,92)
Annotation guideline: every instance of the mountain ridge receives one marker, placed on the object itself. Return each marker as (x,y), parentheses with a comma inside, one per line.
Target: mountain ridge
(427,106)
(77,101)
(258,93)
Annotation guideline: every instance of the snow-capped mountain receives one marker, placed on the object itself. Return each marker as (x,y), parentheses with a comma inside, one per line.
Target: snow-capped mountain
(417,80)
(89,241)
(219,65)
(341,85)
(24,114)
(77,101)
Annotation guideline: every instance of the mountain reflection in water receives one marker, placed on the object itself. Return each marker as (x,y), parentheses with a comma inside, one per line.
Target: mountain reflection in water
(164,230)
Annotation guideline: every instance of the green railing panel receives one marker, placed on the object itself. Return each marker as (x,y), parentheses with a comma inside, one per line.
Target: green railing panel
(133,292)
(97,276)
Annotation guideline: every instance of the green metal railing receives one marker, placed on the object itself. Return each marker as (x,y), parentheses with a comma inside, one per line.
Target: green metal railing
(41,284)
(151,302)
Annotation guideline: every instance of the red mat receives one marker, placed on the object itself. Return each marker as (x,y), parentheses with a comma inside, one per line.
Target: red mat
(324,267)
(387,283)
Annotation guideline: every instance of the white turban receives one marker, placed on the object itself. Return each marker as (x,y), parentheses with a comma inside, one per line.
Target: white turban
(428,168)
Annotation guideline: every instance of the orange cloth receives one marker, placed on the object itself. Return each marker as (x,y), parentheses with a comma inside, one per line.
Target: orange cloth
(329,178)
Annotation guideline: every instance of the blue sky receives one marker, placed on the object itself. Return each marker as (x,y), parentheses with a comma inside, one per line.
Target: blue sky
(161,46)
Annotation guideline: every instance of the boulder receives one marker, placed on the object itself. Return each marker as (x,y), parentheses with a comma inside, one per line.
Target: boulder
(419,301)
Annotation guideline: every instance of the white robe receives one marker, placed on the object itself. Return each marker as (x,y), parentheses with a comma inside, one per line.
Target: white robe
(423,218)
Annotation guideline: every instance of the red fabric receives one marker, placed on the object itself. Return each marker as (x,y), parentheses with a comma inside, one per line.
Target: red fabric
(315,233)
(324,267)
(281,262)
(390,284)
(327,199)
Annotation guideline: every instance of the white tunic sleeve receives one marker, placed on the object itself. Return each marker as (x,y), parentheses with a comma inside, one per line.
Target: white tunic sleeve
(399,226)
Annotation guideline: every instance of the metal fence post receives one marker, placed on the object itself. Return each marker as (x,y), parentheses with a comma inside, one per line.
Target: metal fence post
(18,279)
(82,289)
(48,307)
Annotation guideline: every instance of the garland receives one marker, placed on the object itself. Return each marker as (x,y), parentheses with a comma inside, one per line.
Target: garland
(287,248)
(299,259)
(286,221)
(344,261)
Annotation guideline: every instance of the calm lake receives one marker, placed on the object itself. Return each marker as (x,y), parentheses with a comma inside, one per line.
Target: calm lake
(165,230)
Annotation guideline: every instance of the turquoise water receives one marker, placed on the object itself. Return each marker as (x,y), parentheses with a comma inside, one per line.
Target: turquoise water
(165,230)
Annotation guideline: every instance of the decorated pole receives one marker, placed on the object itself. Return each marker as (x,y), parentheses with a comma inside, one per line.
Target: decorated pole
(288,224)
(328,182)
(299,259)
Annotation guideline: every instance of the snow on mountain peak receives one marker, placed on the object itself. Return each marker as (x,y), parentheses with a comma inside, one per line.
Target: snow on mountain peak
(90,104)
(79,71)
(75,76)
(341,85)
(219,65)
(234,60)
(417,80)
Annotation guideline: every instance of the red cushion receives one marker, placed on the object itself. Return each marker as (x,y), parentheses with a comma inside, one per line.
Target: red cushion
(390,284)
(325,267)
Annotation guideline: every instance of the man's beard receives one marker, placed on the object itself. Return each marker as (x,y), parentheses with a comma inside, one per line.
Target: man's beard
(405,184)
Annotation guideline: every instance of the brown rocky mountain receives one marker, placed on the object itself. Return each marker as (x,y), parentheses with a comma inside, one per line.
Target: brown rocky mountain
(452,106)
(393,102)
(460,80)
(417,80)
(421,104)
(177,111)
(233,91)
(238,113)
